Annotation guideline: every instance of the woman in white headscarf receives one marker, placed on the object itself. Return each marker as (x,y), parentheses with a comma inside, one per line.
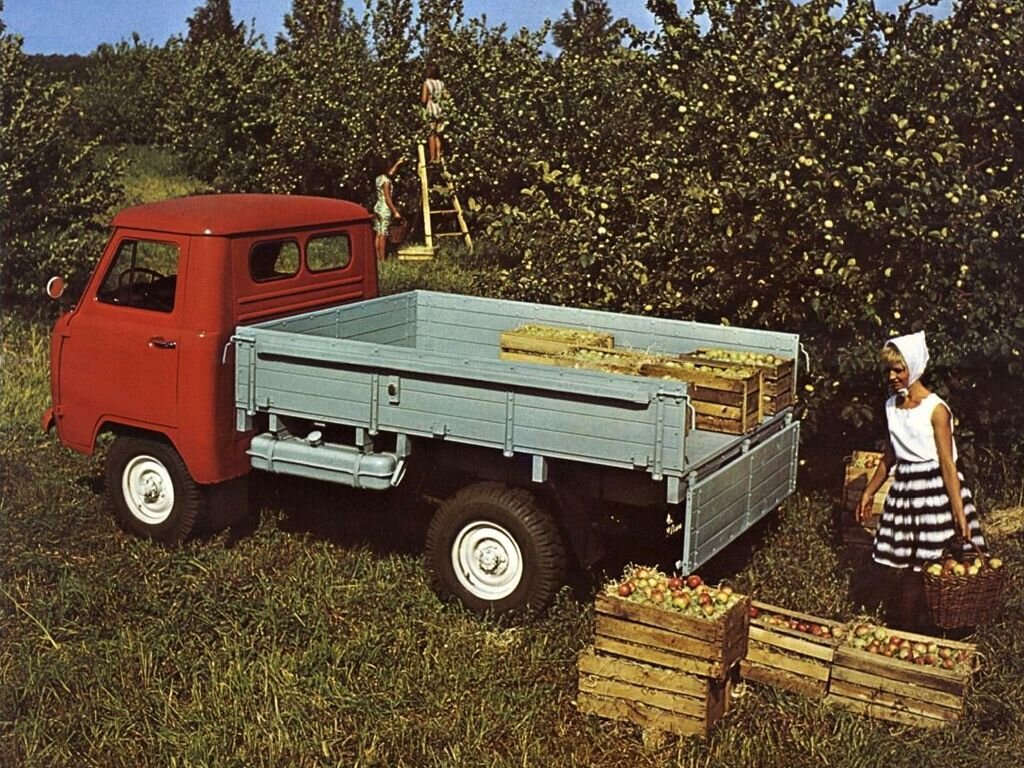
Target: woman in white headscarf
(928,505)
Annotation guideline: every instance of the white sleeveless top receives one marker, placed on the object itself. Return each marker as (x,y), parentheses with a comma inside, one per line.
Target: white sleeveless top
(911,432)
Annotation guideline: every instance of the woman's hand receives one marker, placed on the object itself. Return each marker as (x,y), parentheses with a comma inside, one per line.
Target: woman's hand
(864,508)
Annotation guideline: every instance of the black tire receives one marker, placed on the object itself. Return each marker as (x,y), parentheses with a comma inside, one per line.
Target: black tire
(151,491)
(496,551)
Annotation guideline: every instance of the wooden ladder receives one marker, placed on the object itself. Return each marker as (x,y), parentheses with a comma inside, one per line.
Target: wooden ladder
(450,207)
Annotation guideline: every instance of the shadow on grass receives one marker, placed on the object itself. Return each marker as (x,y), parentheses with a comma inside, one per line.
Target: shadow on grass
(385,522)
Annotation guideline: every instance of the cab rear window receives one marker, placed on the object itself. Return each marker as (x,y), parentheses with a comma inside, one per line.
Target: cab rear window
(327,252)
(274,260)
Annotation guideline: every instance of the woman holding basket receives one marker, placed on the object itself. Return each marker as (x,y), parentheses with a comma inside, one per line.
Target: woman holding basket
(928,506)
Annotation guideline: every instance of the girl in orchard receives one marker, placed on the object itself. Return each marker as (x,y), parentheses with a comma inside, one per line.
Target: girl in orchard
(928,505)
(384,206)
(432,98)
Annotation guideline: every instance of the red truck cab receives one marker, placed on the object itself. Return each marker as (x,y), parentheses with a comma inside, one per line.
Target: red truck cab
(146,353)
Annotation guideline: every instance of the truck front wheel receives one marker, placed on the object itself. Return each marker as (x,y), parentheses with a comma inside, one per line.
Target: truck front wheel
(151,491)
(495,550)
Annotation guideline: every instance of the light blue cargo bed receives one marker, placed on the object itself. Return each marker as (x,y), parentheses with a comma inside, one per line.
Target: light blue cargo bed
(425,364)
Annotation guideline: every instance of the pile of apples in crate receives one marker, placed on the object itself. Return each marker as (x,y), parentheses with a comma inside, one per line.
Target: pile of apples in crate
(875,638)
(806,626)
(686,594)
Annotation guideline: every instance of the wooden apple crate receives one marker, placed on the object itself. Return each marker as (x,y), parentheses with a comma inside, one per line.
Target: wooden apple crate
(608,359)
(899,691)
(722,404)
(778,380)
(659,700)
(546,340)
(786,658)
(855,480)
(666,638)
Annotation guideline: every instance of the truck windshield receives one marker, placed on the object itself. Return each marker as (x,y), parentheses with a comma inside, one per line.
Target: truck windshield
(144,275)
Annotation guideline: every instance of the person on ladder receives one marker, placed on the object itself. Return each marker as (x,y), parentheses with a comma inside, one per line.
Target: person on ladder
(384,206)
(432,96)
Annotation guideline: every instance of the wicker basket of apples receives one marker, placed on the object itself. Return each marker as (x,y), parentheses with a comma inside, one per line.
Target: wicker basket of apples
(964,592)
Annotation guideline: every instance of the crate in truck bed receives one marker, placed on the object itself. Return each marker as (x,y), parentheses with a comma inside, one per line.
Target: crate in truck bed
(726,399)
(778,382)
(534,339)
(784,650)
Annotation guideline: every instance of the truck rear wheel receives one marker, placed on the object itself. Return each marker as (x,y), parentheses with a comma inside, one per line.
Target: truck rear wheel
(151,491)
(494,549)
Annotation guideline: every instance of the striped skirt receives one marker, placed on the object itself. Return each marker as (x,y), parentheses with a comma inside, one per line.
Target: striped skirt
(917,521)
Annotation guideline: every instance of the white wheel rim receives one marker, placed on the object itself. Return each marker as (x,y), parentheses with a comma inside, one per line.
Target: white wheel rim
(487,561)
(148,490)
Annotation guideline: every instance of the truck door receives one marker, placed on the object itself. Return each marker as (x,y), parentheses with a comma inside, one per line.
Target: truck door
(119,354)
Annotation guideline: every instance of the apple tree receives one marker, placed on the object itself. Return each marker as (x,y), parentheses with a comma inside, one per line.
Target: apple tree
(56,189)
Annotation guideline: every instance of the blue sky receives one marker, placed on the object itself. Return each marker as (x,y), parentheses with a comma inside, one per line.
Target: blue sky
(78,26)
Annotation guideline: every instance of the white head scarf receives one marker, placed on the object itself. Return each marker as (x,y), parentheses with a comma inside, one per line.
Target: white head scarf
(914,351)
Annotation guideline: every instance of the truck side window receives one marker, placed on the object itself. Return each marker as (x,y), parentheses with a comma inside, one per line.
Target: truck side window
(144,275)
(326,252)
(273,260)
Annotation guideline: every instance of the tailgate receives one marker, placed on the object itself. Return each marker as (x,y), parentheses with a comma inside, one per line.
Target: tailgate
(727,502)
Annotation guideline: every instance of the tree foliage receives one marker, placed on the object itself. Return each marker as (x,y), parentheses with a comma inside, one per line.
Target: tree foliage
(53,185)
(213,21)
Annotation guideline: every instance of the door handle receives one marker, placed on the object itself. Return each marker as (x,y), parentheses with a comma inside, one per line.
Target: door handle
(158,342)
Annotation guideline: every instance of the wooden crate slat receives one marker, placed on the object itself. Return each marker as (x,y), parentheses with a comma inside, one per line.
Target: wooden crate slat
(514,356)
(547,340)
(882,712)
(782,678)
(790,642)
(899,687)
(712,631)
(899,672)
(805,668)
(639,714)
(915,706)
(648,655)
(643,675)
(609,626)
(618,689)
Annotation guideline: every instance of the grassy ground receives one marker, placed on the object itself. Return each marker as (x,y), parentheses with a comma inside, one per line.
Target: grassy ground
(309,637)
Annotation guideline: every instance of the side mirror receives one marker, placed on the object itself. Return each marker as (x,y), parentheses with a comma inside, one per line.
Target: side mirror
(55,287)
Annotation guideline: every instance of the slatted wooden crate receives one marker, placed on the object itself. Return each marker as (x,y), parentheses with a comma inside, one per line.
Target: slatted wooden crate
(778,378)
(860,466)
(552,340)
(659,700)
(723,403)
(671,639)
(899,691)
(789,658)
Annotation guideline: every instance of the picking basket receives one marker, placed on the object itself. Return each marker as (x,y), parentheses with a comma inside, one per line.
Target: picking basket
(967,600)
(397,231)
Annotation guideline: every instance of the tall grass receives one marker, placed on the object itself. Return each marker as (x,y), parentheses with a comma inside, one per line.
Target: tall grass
(312,639)
(24,372)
